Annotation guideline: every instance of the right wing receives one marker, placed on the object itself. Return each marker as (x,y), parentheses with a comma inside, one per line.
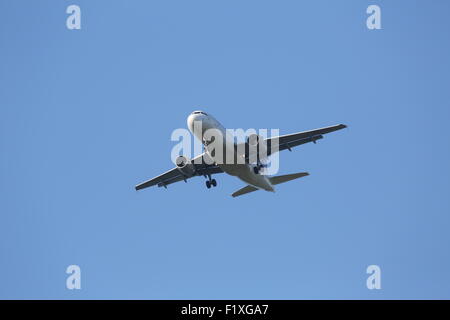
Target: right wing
(295,139)
(174,175)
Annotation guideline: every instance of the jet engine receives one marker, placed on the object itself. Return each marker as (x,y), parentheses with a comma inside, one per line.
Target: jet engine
(185,166)
(257,148)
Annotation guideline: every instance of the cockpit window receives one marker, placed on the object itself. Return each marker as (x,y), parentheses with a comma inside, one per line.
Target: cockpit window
(199,112)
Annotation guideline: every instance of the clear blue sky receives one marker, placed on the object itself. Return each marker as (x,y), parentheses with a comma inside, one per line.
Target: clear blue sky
(87,114)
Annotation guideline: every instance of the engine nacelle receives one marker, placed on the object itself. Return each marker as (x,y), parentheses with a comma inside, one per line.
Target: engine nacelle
(257,148)
(185,166)
(254,139)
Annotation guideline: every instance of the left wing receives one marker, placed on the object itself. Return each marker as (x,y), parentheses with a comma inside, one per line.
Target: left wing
(174,175)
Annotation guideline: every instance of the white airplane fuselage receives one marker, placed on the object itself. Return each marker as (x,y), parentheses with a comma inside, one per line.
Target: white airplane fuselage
(243,171)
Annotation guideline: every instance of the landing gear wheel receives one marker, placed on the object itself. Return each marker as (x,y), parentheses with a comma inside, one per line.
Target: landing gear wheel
(256,170)
(208,184)
(213,182)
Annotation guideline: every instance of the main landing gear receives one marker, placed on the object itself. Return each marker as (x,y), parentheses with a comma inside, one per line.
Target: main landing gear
(258,167)
(210,182)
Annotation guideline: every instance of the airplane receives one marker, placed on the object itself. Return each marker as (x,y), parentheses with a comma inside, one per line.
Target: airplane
(206,164)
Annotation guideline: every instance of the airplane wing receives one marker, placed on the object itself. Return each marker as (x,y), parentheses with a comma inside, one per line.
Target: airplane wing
(174,175)
(289,141)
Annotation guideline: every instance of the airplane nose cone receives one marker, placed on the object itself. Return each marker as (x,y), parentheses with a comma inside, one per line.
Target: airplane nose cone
(190,122)
(192,119)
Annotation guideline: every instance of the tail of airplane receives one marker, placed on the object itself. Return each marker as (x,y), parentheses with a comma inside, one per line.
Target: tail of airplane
(287,177)
(274,180)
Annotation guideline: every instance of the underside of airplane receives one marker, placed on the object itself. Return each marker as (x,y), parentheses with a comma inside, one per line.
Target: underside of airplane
(249,165)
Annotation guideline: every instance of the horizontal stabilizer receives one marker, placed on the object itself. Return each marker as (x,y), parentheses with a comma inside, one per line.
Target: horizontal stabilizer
(273,180)
(244,190)
(287,177)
